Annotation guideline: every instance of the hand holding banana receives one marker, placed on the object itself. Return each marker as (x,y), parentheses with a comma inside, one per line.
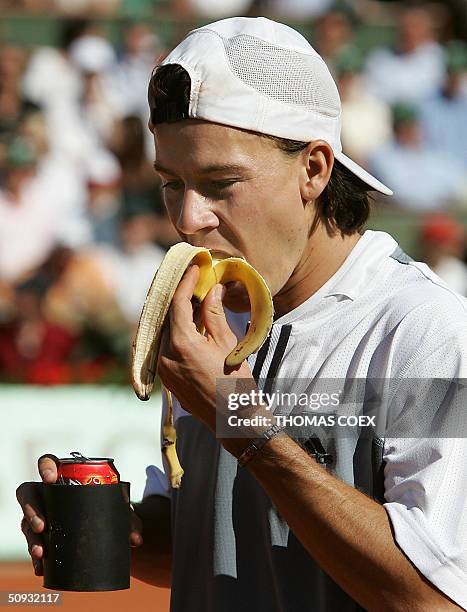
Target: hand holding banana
(187,361)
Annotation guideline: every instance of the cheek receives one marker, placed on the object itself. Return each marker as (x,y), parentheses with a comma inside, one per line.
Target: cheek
(172,205)
(275,234)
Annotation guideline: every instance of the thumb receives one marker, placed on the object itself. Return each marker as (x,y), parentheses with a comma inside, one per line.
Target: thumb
(136,529)
(135,539)
(214,317)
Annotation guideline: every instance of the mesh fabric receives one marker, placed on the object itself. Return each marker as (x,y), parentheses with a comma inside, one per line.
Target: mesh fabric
(283,75)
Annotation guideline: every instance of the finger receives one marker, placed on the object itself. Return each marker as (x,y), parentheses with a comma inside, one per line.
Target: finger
(35,543)
(214,318)
(181,308)
(47,465)
(28,500)
(198,317)
(35,546)
(36,521)
(38,568)
(135,539)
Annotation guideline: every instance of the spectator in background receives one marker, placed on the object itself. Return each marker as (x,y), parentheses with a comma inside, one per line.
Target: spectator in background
(133,69)
(13,106)
(299,10)
(442,245)
(95,59)
(50,78)
(422,178)
(333,36)
(33,349)
(59,184)
(128,144)
(107,8)
(81,300)
(212,8)
(53,82)
(104,197)
(366,120)
(27,226)
(78,223)
(139,181)
(443,115)
(415,68)
(131,265)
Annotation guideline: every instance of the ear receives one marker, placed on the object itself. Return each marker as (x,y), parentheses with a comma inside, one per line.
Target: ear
(317,163)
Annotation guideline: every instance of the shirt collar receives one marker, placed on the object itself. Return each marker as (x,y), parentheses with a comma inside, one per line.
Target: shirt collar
(352,277)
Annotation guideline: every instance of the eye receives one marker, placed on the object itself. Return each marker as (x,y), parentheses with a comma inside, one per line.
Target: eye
(224,184)
(218,187)
(171,185)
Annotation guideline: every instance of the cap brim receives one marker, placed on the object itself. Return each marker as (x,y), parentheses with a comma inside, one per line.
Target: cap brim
(362,174)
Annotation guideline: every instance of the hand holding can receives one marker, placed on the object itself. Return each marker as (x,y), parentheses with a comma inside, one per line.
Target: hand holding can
(29,496)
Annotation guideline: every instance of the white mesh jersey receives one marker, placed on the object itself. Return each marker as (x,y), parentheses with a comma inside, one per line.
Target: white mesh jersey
(379,316)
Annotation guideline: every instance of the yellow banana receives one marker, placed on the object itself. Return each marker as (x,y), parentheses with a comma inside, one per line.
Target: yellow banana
(147,341)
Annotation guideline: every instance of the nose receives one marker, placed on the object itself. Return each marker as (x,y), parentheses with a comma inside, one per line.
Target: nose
(195,214)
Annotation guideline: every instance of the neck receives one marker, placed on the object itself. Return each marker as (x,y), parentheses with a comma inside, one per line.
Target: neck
(322,257)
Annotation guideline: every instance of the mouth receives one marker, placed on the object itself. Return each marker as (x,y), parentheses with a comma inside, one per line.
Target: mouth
(217,254)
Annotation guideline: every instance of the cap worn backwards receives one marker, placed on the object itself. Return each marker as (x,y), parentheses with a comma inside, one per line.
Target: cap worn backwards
(260,75)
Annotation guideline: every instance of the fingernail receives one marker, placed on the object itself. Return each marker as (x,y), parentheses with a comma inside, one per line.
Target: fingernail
(47,475)
(36,522)
(34,548)
(137,539)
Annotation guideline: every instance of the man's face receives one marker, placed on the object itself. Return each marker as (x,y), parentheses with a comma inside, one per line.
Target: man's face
(233,191)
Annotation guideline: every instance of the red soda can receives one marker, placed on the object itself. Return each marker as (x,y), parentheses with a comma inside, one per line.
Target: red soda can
(81,470)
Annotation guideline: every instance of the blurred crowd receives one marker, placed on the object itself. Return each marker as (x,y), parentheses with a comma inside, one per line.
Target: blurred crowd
(82,223)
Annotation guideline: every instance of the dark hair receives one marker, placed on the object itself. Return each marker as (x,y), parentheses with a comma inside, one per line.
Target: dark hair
(70,30)
(345,201)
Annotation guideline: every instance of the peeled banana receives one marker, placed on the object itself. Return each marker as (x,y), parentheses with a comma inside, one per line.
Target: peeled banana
(147,341)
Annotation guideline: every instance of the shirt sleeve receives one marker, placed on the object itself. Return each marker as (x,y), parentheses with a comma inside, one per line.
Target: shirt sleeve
(427,506)
(426,474)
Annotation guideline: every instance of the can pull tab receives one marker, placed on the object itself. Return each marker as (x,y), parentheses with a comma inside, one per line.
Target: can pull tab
(78,456)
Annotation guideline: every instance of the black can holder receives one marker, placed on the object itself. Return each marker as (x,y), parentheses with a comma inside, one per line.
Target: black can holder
(86,539)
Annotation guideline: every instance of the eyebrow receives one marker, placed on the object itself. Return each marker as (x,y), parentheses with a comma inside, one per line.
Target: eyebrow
(206,170)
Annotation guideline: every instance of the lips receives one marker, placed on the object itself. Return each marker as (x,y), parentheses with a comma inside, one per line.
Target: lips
(217,254)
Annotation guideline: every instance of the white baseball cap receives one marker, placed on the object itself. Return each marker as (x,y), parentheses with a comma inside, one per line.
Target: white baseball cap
(260,75)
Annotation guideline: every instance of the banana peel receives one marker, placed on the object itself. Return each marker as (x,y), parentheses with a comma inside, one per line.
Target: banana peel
(146,344)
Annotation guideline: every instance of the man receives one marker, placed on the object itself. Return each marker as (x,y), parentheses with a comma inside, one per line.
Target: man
(442,245)
(423,177)
(448,105)
(366,120)
(415,67)
(280,532)
(27,227)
